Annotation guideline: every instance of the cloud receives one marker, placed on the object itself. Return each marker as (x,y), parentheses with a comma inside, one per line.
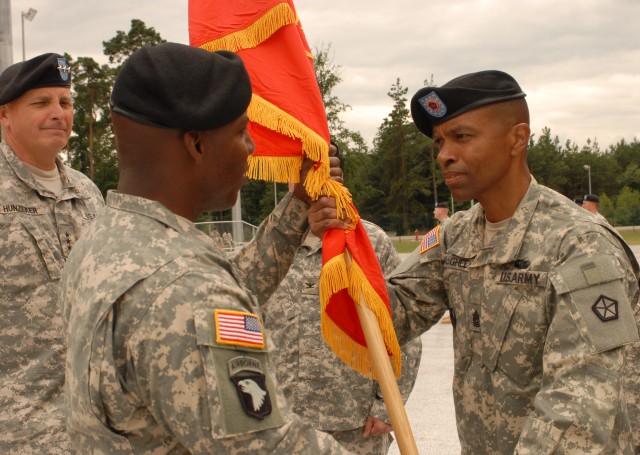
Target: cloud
(578,62)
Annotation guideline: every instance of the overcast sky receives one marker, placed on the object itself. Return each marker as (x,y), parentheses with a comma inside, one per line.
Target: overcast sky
(578,61)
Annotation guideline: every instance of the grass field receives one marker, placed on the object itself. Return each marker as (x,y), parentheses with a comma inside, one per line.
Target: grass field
(631,237)
(407,246)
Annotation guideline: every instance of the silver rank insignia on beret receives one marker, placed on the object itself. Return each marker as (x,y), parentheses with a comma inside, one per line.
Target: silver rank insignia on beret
(64,69)
(433,105)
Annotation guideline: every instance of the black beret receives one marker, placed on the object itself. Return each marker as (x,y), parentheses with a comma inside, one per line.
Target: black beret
(442,205)
(182,87)
(46,70)
(431,106)
(591,198)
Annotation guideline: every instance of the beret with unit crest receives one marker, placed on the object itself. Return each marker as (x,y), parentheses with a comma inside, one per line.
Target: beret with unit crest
(46,70)
(177,86)
(431,106)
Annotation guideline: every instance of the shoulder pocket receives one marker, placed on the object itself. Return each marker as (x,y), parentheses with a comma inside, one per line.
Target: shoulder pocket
(242,389)
(596,294)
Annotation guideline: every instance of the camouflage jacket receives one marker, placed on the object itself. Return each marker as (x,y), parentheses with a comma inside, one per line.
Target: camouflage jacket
(320,387)
(167,352)
(37,231)
(541,317)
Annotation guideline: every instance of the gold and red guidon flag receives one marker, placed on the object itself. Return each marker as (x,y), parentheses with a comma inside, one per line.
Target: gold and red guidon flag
(287,122)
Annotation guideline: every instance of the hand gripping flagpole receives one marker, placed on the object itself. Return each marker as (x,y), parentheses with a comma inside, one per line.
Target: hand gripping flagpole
(385,377)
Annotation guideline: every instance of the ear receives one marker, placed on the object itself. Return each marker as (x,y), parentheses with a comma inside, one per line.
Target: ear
(193,144)
(3,111)
(520,138)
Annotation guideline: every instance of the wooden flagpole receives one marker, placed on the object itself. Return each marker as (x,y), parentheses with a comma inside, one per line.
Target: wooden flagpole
(385,376)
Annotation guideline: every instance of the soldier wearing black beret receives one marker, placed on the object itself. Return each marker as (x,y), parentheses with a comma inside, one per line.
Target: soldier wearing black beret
(441,211)
(167,350)
(591,202)
(541,294)
(44,207)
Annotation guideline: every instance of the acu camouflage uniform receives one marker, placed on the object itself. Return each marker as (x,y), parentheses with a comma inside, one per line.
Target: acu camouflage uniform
(149,369)
(37,231)
(321,389)
(541,318)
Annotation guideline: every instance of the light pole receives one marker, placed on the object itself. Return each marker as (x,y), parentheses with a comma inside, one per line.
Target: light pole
(275,195)
(29,15)
(588,169)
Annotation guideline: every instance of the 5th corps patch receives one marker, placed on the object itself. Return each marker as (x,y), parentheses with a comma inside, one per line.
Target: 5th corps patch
(606,308)
(250,382)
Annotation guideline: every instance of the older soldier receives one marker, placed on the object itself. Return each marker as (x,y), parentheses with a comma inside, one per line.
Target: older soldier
(167,351)
(44,207)
(321,389)
(542,294)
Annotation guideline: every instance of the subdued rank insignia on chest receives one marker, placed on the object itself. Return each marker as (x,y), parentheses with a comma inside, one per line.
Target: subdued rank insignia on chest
(606,308)
(247,375)
(238,328)
(475,319)
(430,240)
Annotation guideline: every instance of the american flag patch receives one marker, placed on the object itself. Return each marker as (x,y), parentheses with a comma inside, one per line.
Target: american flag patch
(238,328)
(431,239)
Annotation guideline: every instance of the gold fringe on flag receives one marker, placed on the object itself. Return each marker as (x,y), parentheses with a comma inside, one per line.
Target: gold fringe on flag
(282,169)
(335,276)
(359,287)
(269,23)
(318,182)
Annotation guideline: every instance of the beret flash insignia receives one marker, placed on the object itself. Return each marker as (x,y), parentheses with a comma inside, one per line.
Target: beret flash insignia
(433,104)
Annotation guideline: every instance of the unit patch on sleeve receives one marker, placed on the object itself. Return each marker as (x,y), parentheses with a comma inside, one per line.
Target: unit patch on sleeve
(430,240)
(238,328)
(606,308)
(247,375)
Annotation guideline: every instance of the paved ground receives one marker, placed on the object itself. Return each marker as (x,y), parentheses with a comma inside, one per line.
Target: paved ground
(430,406)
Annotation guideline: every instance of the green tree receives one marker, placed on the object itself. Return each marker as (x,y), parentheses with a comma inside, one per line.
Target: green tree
(630,177)
(121,46)
(627,211)
(401,167)
(91,148)
(607,209)
(545,158)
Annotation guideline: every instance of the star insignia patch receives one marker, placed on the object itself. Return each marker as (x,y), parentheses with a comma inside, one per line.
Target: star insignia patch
(606,308)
